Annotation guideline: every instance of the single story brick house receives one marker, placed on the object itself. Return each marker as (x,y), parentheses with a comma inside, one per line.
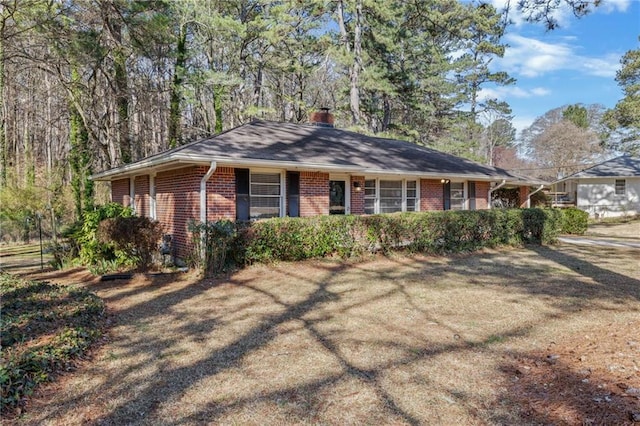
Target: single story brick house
(608,189)
(270,169)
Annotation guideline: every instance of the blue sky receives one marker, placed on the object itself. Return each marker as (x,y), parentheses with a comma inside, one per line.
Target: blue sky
(576,63)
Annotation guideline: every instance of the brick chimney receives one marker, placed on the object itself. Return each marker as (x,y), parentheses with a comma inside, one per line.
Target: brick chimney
(322,118)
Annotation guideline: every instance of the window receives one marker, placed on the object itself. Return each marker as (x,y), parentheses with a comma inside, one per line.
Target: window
(412,195)
(457,195)
(264,195)
(388,196)
(370,196)
(620,186)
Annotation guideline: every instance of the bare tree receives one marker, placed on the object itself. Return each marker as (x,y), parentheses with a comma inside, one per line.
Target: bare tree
(565,148)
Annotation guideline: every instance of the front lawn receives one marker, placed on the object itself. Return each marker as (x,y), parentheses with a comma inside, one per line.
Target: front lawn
(536,335)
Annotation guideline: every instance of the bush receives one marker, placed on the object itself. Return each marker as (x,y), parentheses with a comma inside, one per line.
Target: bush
(217,239)
(291,239)
(131,238)
(108,238)
(541,226)
(83,238)
(574,221)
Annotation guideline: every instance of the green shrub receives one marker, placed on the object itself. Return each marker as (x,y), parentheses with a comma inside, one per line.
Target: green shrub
(541,226)
(83,239)
(574,221)
(109,238)
(133,239)
(212,242)
(291,239)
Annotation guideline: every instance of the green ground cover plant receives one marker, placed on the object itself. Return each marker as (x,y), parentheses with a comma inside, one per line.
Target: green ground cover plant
(43,328)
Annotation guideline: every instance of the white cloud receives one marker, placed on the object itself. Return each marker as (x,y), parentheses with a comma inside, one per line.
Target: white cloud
(529,57)
(504,92)
(562,14)
(610,6)
(540,91)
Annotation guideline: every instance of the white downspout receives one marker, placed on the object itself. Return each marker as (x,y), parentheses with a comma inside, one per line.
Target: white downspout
(203,191)
(529,196)
(491,190)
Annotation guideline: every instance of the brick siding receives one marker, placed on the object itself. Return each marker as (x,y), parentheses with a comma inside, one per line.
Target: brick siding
(357,197)
(431,195)
(314,193)
(522,195)
(178,198)
(120,192)
(221,195)
(178,203)
(482,195)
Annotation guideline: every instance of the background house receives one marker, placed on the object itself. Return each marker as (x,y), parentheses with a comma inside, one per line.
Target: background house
(268,169)
(611,188)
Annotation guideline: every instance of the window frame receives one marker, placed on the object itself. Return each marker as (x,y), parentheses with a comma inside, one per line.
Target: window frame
(620,190)
(281,185)
(463,205)
(377,205)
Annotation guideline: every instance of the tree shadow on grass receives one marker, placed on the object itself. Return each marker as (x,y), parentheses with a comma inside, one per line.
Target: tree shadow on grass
(609,283)
(319,298)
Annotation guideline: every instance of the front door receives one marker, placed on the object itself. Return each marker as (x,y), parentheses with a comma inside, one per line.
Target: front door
(337,197)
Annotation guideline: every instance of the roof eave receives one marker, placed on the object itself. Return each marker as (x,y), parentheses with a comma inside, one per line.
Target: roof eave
(149,165)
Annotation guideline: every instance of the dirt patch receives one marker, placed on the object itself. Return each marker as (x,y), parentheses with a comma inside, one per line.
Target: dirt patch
(403,340)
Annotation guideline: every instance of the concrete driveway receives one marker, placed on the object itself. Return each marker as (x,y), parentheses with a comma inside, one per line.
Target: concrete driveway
(622,235)
(602,241)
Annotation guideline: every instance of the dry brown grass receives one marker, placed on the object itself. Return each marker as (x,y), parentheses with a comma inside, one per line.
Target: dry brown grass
(398,340)
(620,228)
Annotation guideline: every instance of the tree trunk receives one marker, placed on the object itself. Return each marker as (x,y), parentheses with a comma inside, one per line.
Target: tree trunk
(120,86)
(217,106)
(175,113)
(386,118)
(354,92)
(3,115)
(355,67)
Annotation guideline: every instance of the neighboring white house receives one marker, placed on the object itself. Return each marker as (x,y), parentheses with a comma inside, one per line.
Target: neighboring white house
(611,188)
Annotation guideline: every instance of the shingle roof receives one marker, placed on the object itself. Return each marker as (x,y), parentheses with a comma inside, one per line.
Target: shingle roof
(323,147)
(623,166)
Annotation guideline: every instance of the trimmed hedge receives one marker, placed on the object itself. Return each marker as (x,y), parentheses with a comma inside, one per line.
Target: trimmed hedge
(290,239)
(425,232)
(574,221)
